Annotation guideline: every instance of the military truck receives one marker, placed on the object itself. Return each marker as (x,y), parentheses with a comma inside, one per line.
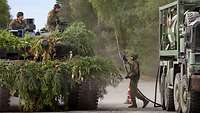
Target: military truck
(179,39)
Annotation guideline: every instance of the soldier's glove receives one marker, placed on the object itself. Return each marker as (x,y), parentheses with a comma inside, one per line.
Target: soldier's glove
(127,77)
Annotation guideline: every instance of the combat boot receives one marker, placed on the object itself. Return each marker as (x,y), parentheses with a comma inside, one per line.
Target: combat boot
(134,105)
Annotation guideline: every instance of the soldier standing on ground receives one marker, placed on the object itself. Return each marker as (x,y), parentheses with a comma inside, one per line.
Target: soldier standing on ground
(18,23)
(134,76)
(53,18)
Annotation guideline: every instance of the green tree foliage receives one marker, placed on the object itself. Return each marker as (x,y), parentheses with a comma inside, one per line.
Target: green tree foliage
(4,14)
(134,22)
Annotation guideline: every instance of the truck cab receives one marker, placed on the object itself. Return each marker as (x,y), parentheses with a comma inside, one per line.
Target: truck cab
(179,40)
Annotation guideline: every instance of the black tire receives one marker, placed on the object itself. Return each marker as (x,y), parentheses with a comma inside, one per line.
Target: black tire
(169,99)
(162,87)
(194,102)
(4,99)
(87,96)
(184,95)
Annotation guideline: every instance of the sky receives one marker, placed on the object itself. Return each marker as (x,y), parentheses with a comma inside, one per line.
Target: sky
(37,9)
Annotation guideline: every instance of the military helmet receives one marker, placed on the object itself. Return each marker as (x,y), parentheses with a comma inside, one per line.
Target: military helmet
(20,14)
(57,6)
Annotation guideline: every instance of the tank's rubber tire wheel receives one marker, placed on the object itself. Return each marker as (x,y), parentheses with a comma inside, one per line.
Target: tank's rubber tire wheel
(87,96)
(4,99)
(177,82)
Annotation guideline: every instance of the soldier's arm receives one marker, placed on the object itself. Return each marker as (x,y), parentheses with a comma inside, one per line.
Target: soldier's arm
(50,19)
(12,25)
(131,72)
(24,24)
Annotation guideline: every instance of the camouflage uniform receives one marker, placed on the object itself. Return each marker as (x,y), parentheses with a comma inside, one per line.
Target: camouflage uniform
(17,25)
(53,20)
(134,77)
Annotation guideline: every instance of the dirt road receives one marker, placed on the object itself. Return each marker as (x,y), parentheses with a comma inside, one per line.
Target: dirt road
(114,100)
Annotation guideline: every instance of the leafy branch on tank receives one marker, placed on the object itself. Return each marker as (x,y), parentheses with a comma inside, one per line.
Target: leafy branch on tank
(48,75)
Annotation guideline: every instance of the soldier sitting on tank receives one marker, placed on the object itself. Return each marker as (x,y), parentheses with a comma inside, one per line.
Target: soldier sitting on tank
(18,23)
(53,18)
(134,76)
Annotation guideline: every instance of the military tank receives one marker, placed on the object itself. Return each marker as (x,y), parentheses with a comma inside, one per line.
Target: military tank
(83,96)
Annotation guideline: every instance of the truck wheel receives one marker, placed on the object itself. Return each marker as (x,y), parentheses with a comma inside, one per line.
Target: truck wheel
(4,99)
(169,99)
(162,89)
(190,100)
(184,96)
(177,83)
(87,96)
(193,102)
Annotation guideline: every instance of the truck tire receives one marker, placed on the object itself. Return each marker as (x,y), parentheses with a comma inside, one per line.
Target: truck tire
(193,102)
(4,99)
(169,99)
(190,100)
(87,96)
(177,82)
(162,88)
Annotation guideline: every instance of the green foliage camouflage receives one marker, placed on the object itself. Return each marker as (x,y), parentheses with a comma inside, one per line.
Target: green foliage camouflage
(42,83)
(75,38)
(8,41)
(78,39)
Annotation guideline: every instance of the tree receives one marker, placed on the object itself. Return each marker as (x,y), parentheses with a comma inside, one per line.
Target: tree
(133,22)
(4,14)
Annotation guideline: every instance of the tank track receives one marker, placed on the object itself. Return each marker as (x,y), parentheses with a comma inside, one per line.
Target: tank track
(84,96)
(4,99)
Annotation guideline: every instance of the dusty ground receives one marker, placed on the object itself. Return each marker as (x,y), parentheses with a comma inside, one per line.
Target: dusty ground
(113,102)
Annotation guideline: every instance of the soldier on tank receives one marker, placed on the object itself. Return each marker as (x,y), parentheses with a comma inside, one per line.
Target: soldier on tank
(53,18)
(134,76)
(18,23)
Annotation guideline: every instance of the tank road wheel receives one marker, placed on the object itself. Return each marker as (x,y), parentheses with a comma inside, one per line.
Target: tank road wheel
(73,98)
(190,100)
(169,98)
(87,96)
(177,83)
(4,99)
